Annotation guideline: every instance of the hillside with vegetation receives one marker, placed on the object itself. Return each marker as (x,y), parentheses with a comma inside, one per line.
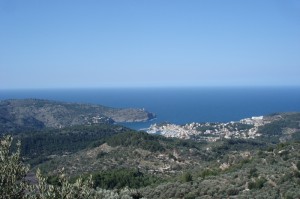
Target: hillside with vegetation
(155,166)
(31,114)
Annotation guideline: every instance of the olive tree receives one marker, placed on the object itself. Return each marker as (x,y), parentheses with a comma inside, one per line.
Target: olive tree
(13,184)
(12,171)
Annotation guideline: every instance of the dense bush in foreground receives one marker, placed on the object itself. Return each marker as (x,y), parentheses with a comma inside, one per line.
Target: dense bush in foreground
(13,183)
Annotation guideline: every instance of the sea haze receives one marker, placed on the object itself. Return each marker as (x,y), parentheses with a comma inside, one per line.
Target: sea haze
(179,105)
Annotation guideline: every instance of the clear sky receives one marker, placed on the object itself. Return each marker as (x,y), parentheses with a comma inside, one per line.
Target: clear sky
(137,43)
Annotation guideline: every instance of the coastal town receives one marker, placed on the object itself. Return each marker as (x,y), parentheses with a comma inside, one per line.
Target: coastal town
(246,129)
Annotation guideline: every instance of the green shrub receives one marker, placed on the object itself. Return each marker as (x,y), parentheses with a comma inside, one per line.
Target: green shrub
(232,192)
(208,172)
(253,172)
(187,177)
(257,184)
(298,165)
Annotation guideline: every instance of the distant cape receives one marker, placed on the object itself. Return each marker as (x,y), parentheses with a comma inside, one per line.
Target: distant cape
(16,114)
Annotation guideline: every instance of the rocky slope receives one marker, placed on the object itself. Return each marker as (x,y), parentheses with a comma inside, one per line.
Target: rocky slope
(35,113)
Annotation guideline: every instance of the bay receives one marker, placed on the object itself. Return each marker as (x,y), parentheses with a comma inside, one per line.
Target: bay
(178,105)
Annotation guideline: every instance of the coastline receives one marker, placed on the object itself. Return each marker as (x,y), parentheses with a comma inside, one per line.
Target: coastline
(179,105)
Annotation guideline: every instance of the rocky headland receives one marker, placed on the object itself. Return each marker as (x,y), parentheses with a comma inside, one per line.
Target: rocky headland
(36,113)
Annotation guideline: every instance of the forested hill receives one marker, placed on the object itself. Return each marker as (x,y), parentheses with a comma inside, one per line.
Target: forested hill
(265,166)
(20,114)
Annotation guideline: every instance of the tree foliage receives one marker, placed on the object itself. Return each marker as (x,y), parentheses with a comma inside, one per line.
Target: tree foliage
(38,145)
(120,178)
(12,171)
(137,139)
(13,184)
(187,177)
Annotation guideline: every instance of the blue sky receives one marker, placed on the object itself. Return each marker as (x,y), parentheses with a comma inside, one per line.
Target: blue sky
(142,43)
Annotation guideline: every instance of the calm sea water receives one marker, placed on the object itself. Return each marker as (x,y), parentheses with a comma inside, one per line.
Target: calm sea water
(182,105)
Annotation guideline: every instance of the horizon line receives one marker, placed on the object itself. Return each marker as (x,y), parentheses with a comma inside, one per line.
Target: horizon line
(154,87)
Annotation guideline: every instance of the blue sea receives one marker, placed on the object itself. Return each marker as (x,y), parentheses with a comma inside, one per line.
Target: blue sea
(179,105)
